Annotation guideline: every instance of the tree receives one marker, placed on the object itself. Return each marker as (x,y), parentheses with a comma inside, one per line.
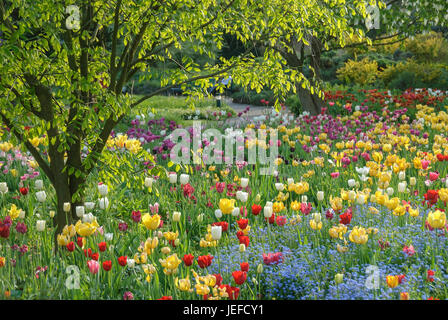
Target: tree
(379,23)
(64,65)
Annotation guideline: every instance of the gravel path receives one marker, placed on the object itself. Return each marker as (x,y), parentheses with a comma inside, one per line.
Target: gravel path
(253,113)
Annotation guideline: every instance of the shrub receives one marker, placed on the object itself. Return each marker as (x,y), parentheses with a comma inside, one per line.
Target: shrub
(428,47)
(293,103)
(362,72)
(411,74)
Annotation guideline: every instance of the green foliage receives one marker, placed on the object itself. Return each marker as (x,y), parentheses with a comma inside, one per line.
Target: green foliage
(294,104)
(361,72)
(411,74)
(428,47)
(253,98)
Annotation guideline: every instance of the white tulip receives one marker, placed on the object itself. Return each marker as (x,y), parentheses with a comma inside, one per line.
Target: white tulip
(279,186)
(413,181)
(67,206)
(41,196)
(238,194)
(104,203)
(269,204)
(218,213)
(40,225)
(173,177)
(80,210)
(176,216)
(3,187)
(390,191)
(290,181)
(148,182)
(236,212)
(109,236)
(351,183)
(216,232)
(402,175)
(200,218)
(267,211)
(39,184)
(88,217)
(22,214)
(244,196)
(316,217)
(184,178)
(402,186)
(102,189)
(89,205)
(244,182)
(130,263)
(351,195)
(361,199)
(305,198)
(320,195)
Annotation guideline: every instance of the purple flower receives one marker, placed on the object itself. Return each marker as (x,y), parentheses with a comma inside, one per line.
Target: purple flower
(21,227)
(123,226)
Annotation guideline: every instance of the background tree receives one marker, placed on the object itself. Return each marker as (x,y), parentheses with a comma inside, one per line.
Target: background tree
(382,23)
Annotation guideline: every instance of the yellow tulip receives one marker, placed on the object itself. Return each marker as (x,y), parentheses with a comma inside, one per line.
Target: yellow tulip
(392,281)
(151,222)
(437,219)
(278,207)
(69,231)
(183,284)
(315,225)
(86,229)
(413,212)
(295,206)
(62,240)
(359,235)
(226,205)
(14,212)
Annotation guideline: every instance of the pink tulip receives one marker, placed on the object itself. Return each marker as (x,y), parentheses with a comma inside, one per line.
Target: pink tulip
(425,164)
(94,266)
(409,251)
(334,175)
(433,176)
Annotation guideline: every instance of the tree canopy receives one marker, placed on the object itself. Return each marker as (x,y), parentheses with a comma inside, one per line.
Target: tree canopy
(65,64)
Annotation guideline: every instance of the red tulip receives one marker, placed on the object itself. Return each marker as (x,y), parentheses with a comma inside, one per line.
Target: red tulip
(242,223)
(71,246)
(256,209)
(188,259)
(239,277)
(205,261)
(244,240)
(244,266)
(122,261)
(23,191)
(107,265)
(102,246)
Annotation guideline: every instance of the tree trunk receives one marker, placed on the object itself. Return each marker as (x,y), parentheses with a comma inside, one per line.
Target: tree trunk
(310,102)
(61,219)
